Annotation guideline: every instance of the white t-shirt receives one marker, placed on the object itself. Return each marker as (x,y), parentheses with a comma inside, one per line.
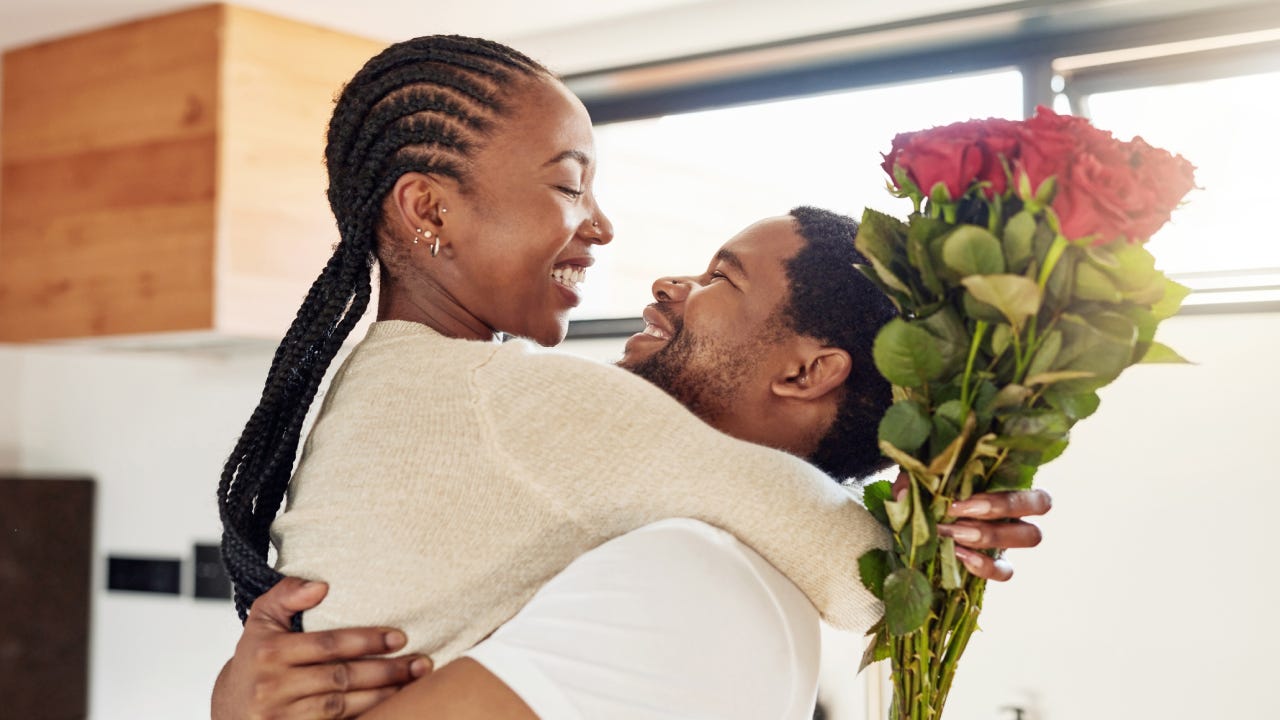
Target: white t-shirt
(677,619)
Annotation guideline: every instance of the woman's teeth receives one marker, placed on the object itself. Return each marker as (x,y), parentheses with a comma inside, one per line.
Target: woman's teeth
(570,277)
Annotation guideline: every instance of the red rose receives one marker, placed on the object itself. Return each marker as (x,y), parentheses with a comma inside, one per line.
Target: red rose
(1168,177)
(956,155)
(1099,199)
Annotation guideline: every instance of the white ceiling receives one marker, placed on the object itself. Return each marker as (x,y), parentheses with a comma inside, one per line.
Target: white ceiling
(568,35)
(575,36)
(26,21)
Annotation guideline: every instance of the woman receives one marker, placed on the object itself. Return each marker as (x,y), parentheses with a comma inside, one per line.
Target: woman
(460,469)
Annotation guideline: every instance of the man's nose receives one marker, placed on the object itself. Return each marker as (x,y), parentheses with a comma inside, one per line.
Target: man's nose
(671,289)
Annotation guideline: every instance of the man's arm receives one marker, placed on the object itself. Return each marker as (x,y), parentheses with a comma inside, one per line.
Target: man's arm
(279,674)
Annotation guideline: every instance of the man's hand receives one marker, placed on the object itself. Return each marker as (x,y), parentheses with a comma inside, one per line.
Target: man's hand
(988,521)
(276,673)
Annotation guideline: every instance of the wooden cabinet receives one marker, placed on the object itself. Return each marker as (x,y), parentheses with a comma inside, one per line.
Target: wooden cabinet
(167,175)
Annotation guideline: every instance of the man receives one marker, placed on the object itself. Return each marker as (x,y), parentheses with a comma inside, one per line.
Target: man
(771,344)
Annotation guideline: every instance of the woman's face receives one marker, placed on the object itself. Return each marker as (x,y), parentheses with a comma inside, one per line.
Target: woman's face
(522,232)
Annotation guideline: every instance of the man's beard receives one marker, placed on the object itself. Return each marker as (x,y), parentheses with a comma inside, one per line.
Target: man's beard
(704,375)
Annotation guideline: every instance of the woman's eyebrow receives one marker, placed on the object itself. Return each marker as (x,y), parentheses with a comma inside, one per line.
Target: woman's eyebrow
(577,155)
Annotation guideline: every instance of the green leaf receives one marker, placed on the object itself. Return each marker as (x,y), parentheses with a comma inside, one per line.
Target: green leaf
(898,512)
(921,535)
(1048,378)
(1042,361)
(1053,451)
(1032,430)
(1101,344)
(874,496)
(1011,396)
(906,425)
(947,421)
(878,648)
(952,336)
(1017,240)
(898,298)
(1012,475)
(972,250)
(1171,301)
(1075,406)
(1161,353)
(1094,284)
(1047,190)
(873,567)
(906,354)
(1001,335)
(1136,275)
(951,579)
(904,459)
(1016,297)
(939,194)
(981,311)
(890,278)
(921,232)
(1045,422)
(907,597)
(880,236)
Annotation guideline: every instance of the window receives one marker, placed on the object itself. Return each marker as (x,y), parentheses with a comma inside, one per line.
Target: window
(1220,241)
(677,187)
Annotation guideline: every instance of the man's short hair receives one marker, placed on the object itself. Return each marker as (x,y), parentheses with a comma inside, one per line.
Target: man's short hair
(834,303)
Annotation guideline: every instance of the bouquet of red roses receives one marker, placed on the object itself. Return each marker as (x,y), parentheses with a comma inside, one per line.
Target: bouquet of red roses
(1023,287)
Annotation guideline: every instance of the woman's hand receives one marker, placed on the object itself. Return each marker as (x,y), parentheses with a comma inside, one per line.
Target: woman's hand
(988,521)
(276,673)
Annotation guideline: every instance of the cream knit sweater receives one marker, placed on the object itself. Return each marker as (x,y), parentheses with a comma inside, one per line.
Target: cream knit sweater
(445,481)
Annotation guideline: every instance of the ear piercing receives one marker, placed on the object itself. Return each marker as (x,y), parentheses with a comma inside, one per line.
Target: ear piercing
(426,234)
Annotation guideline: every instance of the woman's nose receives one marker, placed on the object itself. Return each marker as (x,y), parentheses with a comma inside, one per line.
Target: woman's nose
(671,289)
(600,228)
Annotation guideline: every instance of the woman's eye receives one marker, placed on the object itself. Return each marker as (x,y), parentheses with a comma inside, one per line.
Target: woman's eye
(571,192)
(717,275)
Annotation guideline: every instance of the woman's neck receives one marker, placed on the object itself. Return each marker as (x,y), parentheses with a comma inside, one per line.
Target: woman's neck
(429,304)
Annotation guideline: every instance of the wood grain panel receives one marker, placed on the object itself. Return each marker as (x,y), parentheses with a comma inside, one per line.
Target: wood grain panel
(142,82)
(167,175)
(279,81)
(108,168)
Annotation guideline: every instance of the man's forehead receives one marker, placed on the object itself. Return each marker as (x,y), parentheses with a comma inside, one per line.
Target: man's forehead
(769,242)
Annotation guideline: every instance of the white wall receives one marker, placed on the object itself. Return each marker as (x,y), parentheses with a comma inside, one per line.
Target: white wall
(154,430)
(10,411)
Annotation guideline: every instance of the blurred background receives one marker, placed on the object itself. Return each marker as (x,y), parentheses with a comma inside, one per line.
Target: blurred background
(162,213)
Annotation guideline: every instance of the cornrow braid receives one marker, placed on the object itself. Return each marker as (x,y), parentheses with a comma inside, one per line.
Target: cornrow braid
(424,105)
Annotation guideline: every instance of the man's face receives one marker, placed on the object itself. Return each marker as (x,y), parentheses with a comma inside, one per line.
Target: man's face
(708,340)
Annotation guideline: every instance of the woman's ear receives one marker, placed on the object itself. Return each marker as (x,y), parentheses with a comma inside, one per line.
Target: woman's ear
(416,201)
(814,374)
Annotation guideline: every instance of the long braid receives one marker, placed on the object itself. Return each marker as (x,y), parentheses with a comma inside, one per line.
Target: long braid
(424,105)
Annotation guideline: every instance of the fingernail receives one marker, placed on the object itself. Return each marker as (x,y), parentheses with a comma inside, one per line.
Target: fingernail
(419,667)
(395,639)
(962,533)
(971,507)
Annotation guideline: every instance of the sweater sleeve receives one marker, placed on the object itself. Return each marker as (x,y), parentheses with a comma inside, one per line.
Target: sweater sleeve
(617,453)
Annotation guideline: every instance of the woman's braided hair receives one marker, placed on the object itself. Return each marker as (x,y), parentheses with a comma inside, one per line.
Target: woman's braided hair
(424,105)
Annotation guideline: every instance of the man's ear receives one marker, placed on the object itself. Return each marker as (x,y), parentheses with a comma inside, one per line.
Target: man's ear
(814,373)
